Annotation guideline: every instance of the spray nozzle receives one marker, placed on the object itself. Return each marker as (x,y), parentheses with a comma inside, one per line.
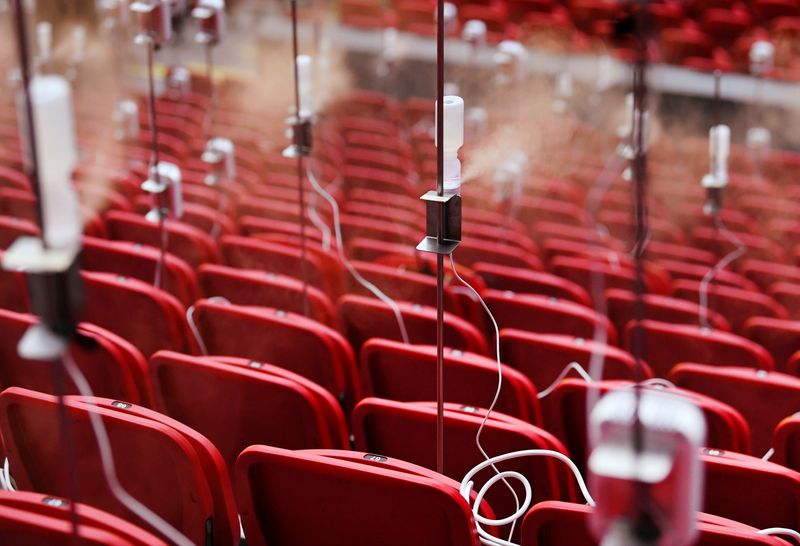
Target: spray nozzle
(154,21)
(126,118)
(166,177)
(474,32)
(762,57)
(220,154)
(211,16)
(44,41)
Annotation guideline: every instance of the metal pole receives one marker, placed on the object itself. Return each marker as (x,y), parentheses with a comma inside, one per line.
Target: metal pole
(300,182)
(440,238)
(155,160)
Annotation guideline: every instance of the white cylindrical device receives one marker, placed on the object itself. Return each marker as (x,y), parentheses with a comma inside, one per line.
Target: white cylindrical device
(57,152)
(762,57)
(305,83)
(453,140)
(44,40)
(154,19)
(222,150)
(474,32)
(719,143)
(126,118)
(211,14)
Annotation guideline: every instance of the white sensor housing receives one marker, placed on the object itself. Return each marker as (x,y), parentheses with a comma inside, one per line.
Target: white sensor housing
(222,150)
(668,466)
(169,179)
(126,118)
(474,32)
(453,141)
(762,57)
(305,82)
(57,152)
(44,40)
(211,14)
(154,20)
(719,148)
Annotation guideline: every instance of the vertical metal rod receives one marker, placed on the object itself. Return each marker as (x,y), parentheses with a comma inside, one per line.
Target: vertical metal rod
(25,70)
(160,199)
(440,238)
(300,181)
(717,202)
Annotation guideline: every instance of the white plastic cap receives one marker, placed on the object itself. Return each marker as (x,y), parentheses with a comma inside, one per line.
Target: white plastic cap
(453,125)
(44,39)
(762,52)
(305,82)
(474,31)
(450,13)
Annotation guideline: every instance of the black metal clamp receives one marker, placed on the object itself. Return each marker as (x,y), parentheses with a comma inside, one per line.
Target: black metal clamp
(443,224)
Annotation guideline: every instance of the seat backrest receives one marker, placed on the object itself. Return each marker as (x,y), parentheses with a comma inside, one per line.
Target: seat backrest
(786,442)
(148,317)
(237,403)
(13,290)
(266,289)
(112,367)
(735,304)
(554,522)
(406,373)
(398,430)
(665,345)
(299,344)
(364,318)
(184,241)
(564,414)
(12,229)
(525,281)
(543,314)
(778,336)
(297,498)
(193,495)
(542,357)
(622,305)
(35,519)
(763,398)
(473,250)
(747,489)
(140,262)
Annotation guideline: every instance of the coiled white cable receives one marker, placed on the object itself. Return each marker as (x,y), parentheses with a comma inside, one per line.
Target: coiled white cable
(780,531)
(498,475)
(740,249)
(352,270)
(568,368)
(108,465)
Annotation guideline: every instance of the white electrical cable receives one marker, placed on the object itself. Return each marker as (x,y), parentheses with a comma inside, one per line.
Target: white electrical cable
(659,382)
(768,455)
(313,215)
(780,531)
(467,485)
(107,461)
(568,368)
(340,250)
(740,249)
(499,475)
(6,481)
(193,325)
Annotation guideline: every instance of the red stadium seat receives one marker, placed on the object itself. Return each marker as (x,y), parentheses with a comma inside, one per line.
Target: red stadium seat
(392,429)
(184,241)
(542,314)
(406,373)
(763,398)
(556,522)
(679,270)
(13,290)
(525,281)
(472,251)
(565,416)
(765,273)
(665,345)
(582,270)
(357,499)
(36,519)
(364,318)
(140,262)
(786,443)
(264,289)
(293,342)
(622,304)
(12,229)
(542,357)
(735,304)
(780,337)
(772,496)
(149,318)
(194,490)
(112,366)
(226,400)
